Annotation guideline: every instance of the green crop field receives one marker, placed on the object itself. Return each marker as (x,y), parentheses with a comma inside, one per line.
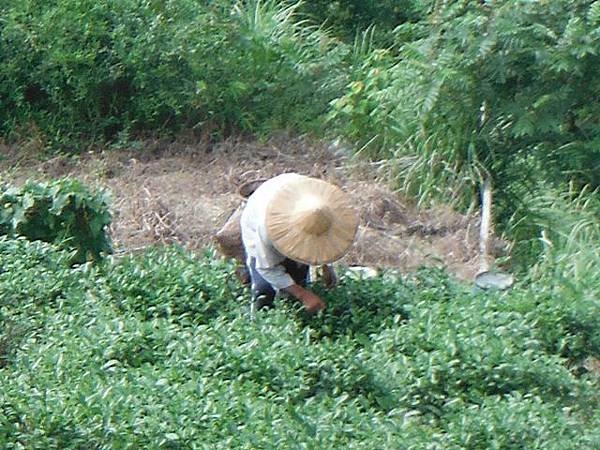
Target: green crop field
(159,351)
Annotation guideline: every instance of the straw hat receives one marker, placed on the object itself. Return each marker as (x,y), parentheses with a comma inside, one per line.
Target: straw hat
(311,221)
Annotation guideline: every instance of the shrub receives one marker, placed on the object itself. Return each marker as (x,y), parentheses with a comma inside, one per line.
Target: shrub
(63,211)
(483,91)
(347,18)
(101,70)
(157,351)
(174,285)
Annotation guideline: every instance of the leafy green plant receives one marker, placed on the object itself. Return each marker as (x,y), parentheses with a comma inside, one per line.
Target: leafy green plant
(172,284)
(158,350)
(360,309)
(33,274)
(363,114)
(347,18)
(568,266)
(105,71)
(62,211)
(484,90)
(10,336)
(482,94)
(286,70)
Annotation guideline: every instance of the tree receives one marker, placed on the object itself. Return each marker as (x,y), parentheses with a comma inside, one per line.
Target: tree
(500,92)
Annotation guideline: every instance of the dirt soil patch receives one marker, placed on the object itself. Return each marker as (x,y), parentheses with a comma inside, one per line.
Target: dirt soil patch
(178,191)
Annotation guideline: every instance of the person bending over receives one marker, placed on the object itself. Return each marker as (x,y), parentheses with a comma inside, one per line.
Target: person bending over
(288,224)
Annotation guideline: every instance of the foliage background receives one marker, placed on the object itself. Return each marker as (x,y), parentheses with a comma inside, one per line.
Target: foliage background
(101,70)
(445,93)
(63,212)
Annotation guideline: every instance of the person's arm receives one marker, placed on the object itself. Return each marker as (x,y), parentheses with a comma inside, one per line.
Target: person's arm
(311,301)
(268,265)
(275,275)
(280,279)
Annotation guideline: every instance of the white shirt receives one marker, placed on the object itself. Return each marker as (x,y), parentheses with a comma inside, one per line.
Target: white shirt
(254,234)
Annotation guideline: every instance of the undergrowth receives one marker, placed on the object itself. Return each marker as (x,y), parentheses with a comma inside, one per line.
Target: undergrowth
(444,95)
(64,212)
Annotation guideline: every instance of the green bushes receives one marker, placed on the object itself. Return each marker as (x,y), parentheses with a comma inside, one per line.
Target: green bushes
(480,91)
(33,273)
(172,284)
(447,93)
(157,350)
(348,18)
(94,69)
(476,88)
(33,276)
(63,211)
(105,70)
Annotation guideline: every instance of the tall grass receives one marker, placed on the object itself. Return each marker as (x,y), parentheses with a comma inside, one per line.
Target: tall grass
(563,226)
(557,238)
(290,68)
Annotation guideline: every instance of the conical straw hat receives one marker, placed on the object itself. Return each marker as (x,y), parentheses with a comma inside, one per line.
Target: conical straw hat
(311,221)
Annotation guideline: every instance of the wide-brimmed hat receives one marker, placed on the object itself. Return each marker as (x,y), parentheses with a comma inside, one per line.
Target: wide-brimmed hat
(311,221)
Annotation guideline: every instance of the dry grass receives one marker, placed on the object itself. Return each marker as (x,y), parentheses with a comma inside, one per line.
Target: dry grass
(183,191)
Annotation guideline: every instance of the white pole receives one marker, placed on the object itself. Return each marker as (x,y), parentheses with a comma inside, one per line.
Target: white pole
(486,224)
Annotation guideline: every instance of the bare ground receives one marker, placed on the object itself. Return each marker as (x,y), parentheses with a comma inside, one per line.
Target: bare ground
(183,191)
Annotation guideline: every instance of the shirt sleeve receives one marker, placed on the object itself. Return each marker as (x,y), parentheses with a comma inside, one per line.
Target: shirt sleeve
(276,276)
(268,263)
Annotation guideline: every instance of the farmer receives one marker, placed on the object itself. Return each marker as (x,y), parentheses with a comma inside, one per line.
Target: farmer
(290,222)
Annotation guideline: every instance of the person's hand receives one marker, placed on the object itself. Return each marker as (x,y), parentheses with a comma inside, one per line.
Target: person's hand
(312,302)
(330,278)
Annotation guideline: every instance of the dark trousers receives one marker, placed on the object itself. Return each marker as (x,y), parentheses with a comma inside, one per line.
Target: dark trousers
(263,292)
